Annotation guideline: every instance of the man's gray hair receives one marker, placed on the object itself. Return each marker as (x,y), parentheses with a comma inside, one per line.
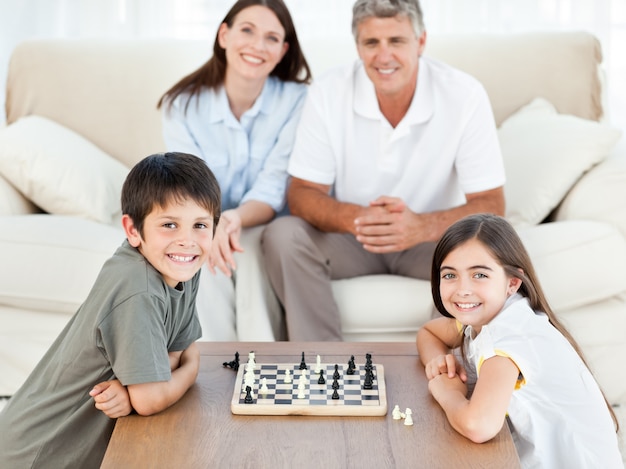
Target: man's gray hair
(363,9)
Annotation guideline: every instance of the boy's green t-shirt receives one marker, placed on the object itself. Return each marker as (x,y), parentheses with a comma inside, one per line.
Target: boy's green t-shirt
(125,329)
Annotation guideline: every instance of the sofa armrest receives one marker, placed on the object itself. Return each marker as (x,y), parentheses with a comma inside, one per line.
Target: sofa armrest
(599,195)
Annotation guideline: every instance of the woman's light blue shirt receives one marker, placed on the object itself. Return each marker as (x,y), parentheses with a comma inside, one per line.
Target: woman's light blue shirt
(248,157)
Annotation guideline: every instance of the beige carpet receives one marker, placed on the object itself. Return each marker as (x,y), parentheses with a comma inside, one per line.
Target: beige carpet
(619,411)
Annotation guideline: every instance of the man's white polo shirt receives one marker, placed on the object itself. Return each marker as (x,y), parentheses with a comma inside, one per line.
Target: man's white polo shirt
(446,145)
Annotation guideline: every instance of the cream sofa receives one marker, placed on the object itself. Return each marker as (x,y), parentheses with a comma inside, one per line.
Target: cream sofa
(79,113)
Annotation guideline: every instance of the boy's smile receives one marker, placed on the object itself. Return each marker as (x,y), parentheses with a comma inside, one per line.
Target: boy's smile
(176,239)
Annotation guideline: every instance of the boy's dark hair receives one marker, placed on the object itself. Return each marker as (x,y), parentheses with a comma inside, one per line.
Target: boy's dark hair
(165,177)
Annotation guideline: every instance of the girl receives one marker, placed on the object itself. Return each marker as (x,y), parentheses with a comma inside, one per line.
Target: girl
(239,112)
(529,368)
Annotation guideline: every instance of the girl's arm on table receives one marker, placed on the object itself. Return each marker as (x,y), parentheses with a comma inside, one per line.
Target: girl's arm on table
(481,417)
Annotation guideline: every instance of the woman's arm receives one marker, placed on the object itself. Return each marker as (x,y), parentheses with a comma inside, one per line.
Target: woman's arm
(150,398)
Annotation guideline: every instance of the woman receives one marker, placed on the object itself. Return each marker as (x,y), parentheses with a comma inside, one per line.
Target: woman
(239,112)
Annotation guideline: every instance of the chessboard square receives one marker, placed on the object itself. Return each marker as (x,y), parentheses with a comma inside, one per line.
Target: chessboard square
(373,402)
(352,392)
(355,380)
(266,400)
(283,388)
(269,367)
(352,387)
(369,398)
(283,401)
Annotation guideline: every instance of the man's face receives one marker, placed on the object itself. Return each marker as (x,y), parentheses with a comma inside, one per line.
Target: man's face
(390,52)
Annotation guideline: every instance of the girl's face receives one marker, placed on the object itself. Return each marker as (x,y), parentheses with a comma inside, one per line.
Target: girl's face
(474,286)
(254,44)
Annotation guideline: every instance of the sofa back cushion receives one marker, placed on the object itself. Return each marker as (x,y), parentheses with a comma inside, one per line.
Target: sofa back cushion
(107,90)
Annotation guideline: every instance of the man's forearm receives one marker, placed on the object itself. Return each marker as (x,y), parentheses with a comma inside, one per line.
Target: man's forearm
(323,211)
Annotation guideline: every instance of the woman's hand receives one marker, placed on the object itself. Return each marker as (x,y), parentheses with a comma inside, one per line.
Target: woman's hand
(226,243)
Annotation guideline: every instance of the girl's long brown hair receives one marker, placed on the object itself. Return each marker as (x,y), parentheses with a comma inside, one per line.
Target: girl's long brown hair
(292,67)
(500,238)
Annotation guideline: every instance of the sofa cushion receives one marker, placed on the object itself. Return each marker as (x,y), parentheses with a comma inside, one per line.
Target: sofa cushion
(60,171)
(54,260)
(599,196)
(578,262)
(366,310)
(12,201)
(545,153)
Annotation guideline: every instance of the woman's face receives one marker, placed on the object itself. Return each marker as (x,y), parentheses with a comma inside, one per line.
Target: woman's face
(254,44)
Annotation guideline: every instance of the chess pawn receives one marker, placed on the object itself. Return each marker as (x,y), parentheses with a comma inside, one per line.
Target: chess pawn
(318,365)
(396,414)
(264,389)
(408,419)
(287,377)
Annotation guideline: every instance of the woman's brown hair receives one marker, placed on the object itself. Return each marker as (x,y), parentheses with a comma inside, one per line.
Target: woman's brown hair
(292,67)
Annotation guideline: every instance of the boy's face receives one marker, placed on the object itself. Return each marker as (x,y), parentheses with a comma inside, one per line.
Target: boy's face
(176,239)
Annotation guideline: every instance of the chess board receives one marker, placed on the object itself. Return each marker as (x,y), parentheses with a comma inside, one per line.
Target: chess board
(282,398)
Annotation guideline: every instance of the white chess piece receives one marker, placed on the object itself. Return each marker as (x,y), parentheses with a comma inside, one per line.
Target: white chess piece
(396,414)
(408,420)
(287,376)
(318,365)
(301,387)
(264,389)
(251,361)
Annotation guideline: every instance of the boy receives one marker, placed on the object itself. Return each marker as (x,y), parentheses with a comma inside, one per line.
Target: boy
(132,342)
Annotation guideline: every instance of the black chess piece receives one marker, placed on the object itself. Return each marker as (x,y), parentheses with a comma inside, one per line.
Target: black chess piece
(335,384)
(321,379)
(248,399)
(336,374)
(303,364)
(368,359)
(335,395)
(367,384)
(234,364)
(351,366)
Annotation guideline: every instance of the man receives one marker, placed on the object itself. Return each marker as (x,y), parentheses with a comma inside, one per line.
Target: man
(390,151)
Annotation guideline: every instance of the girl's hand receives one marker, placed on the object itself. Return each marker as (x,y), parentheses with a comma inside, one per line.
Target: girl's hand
(445,365)
(111,397)
(443,384)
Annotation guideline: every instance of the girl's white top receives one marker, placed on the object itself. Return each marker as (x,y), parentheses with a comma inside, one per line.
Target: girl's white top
(557,414)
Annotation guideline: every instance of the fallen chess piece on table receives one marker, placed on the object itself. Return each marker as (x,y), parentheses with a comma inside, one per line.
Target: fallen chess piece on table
(408,419)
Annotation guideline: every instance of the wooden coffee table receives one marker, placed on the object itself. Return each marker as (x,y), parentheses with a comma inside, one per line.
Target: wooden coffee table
(200,431)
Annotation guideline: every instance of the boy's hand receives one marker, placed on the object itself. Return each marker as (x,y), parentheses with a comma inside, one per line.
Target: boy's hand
(111,397)
(445,364)
(174,359)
